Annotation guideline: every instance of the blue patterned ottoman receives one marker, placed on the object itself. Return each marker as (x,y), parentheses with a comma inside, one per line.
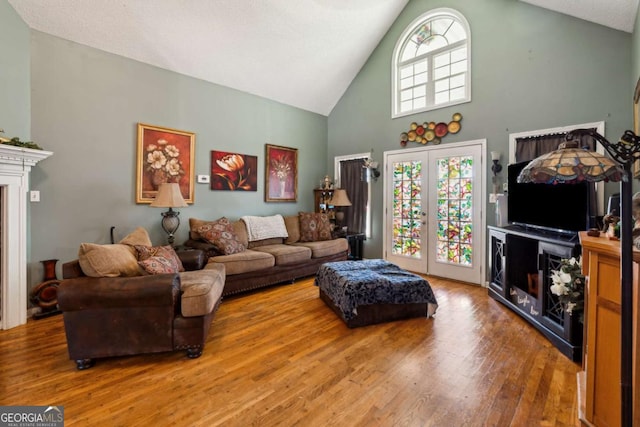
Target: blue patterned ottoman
(374,291)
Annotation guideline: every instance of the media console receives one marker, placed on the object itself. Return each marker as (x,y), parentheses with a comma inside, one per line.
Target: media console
(520,267)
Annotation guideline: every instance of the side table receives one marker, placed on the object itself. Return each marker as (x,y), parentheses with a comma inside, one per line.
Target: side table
(355,241)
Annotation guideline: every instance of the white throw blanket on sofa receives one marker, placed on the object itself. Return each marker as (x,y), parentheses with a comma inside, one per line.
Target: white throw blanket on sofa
(265,227)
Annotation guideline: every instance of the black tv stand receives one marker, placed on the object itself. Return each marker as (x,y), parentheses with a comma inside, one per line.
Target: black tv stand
(520,264)
(570,236)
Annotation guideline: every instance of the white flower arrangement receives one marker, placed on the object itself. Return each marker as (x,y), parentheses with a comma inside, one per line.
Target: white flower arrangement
(568,284)
(163,161)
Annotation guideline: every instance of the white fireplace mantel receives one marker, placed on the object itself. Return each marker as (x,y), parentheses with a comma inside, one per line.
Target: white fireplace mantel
(15,165)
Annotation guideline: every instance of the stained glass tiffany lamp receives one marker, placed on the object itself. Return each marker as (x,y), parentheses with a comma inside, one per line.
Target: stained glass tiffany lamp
(570,164)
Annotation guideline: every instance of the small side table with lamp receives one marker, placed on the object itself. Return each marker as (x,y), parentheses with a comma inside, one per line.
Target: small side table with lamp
(339,199)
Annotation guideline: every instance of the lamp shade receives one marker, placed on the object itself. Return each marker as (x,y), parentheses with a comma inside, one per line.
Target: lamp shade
(340,198)
(169,196)
(570,164)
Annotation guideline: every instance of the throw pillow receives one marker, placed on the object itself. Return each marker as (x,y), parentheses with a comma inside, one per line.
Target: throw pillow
(139,236)
(220,233)
(108,260)
(194,224)
(314,226)
(159,265)
(146,252)
(292,222)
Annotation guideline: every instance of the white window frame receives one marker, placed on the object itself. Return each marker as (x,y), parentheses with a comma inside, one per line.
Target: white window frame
(336,179)
(395,66)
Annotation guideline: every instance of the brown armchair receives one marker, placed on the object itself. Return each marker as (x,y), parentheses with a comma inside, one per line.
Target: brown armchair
(118,316)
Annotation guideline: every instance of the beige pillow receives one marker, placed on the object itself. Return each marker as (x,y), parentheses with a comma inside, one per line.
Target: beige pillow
(108,260)
(292,222)
(240,228)
(139,236)
(116,260)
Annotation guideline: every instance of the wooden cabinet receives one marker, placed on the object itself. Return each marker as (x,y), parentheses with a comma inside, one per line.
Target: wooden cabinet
(519,277)
(321,202)
(600,380)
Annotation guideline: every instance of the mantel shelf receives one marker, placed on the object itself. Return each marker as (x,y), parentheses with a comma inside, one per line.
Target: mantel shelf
(13,155)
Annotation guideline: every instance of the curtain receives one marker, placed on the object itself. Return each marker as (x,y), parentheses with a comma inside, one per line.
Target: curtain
(358,192)
(530,147)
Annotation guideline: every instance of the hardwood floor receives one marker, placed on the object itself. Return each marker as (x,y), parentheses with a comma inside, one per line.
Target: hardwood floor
(280,357)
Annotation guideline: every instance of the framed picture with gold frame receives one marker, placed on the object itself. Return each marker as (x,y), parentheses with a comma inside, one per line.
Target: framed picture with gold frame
(636,124)
(164,155)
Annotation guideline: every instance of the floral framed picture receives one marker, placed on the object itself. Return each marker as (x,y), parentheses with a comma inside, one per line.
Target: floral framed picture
(164,155)
(281,174)
(233,171)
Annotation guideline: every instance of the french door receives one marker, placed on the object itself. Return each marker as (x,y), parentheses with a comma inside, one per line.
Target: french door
(433,220)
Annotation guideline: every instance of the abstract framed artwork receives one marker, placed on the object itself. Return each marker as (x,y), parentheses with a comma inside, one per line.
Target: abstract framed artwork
(281,174)
(164,155)
(233,171)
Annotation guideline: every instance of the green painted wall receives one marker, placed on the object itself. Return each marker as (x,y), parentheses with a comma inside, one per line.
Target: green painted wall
(86,105)
(15,100)
(531,69)
(635,53)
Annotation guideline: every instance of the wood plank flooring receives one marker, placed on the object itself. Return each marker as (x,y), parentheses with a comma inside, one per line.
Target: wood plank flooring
(280,357)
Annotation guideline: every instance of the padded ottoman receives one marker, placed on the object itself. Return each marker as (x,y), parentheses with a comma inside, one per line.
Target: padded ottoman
(374,291)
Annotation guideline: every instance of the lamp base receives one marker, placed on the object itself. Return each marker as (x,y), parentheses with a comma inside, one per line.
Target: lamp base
(170,223)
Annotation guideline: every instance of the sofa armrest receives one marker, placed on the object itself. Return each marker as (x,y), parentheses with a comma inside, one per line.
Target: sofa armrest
(72,269)
(83,293)
(192,259)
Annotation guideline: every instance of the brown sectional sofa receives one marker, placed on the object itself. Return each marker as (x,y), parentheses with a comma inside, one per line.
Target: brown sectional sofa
(111,309)
(268,261)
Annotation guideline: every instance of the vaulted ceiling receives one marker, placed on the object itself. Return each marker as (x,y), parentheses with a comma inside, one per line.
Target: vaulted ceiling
(303,53)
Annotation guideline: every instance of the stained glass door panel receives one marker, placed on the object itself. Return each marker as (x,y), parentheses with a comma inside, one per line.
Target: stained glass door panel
(407,208)
(455,240)
(405,218)
(455,229)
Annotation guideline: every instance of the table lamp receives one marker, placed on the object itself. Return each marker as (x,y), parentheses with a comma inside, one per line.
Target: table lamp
(169,196)
(338,200)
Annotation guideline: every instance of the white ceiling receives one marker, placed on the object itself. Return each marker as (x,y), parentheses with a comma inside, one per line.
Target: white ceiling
(303,53)
(618,14)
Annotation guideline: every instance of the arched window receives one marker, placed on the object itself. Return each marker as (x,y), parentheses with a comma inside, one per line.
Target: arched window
(432,63)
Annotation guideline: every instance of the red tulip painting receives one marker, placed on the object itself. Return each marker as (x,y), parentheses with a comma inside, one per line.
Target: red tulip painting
(233,171)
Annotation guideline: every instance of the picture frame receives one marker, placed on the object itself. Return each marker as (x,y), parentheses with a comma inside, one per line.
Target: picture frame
(164,155)
(636,124)
(281,174)
(233,171)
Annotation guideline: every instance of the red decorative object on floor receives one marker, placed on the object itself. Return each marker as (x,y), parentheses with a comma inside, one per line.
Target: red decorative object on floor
(45,295)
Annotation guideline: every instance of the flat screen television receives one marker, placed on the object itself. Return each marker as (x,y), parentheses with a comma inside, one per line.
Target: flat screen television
(562,208)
